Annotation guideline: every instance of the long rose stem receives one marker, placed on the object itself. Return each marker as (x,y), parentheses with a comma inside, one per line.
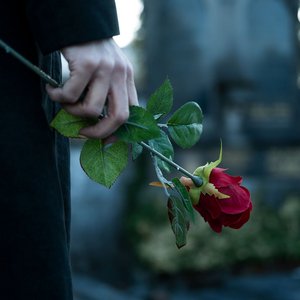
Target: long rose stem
(197,180)
(30,65)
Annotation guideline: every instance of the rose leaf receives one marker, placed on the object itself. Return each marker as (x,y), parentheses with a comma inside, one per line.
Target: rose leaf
(141,126)
(136,150)
(163,145)
(185,198)
(185,125)
(69,125)
(161,101)
(178,220)
(104,164)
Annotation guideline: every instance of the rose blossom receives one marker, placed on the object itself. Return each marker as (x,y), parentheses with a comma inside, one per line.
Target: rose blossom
(221,201)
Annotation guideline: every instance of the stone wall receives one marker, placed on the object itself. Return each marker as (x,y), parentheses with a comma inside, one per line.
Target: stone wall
(239,60)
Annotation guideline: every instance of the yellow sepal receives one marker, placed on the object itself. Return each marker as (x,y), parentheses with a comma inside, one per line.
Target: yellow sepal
(211,190)
(207,187)
(204,171)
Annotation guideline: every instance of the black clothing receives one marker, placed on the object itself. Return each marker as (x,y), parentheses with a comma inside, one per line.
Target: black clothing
(34,160)
(56,23)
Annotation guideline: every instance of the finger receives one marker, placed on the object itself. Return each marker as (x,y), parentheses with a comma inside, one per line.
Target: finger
(131,90)
(72,89)
(105,127)
(94,101)
(118,112)
(97,95)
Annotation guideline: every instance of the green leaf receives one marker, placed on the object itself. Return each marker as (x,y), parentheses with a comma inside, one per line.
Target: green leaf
(140,126)
(164,182)
(163,145)
(161,101)
(136,150)
(185,198)
(185,125)
(69,125)
(178,220)
(104,164)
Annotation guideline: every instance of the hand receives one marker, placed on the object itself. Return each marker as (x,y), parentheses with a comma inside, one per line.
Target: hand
(101,71)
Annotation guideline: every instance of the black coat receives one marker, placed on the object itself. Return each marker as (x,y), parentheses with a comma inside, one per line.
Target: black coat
(34,173)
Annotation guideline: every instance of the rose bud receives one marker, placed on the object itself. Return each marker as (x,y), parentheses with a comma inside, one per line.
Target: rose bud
(221,200)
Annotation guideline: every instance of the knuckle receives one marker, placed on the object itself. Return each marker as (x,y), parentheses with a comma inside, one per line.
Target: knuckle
(120,67)
(107,65)
(88,63)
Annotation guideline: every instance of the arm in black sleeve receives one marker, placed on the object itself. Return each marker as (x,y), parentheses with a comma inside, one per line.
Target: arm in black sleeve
(60,23)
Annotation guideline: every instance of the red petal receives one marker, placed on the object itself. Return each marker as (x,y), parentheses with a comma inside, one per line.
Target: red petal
(238,202)
(203,212)
(215,225)
(236,221)
(211,205)
(221,179)
(243,219)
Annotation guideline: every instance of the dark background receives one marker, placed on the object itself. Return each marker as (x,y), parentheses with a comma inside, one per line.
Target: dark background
(239,59)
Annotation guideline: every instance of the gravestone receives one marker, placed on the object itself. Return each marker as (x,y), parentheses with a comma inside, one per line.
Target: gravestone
(271,113)
(238,59)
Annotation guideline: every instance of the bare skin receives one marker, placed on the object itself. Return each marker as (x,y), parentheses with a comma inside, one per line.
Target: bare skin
(103,72)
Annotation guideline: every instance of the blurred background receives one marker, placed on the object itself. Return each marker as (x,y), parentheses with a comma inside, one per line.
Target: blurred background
(239,59)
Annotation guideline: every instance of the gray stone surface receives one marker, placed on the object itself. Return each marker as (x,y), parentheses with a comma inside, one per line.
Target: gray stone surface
(271,286)
(97,220)
(89,289)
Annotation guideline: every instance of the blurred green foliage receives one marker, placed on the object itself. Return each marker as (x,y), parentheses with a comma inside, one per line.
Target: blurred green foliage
(272,234)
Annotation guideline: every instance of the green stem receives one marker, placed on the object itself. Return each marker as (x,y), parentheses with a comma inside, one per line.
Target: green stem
(30,65)
(162,125)
(197,180)
(160,175)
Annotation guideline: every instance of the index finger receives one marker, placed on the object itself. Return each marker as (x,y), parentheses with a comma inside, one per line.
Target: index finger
(73,88)
(118,113)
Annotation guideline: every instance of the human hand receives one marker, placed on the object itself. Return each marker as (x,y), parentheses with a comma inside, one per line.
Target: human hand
(103,73)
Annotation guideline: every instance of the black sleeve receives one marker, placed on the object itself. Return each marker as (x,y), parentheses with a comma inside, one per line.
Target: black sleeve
(59,23)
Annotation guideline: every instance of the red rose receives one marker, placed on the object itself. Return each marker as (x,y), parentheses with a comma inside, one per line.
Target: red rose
(233,211)
(221,201)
